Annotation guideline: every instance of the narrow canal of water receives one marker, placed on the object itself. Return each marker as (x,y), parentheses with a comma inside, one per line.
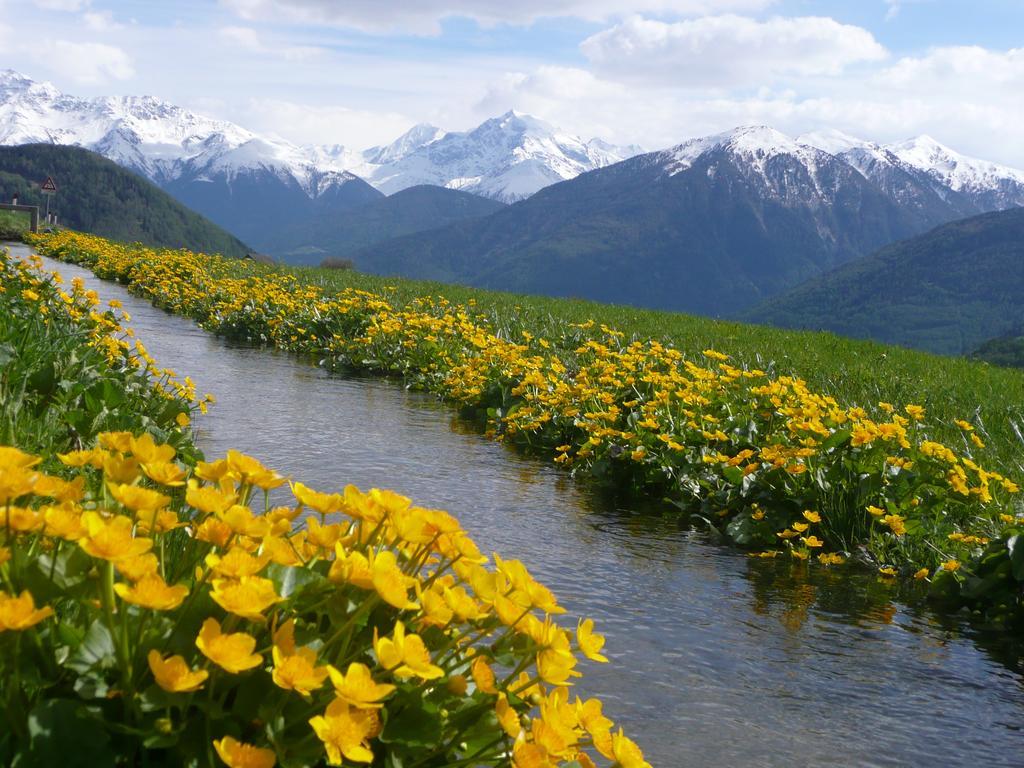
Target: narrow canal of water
(718,659)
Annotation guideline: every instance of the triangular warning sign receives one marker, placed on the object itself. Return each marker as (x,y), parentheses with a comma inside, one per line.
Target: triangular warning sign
(48,185)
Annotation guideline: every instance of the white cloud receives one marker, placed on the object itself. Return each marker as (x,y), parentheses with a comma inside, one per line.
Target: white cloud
(313,124)
(959,95)
(63,5)
(722,51)
(424,16)
(87,63)
(249,39)
(100,21)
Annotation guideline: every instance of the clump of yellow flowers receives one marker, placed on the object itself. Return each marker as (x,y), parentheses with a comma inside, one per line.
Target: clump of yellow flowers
(171,609)
(748,452)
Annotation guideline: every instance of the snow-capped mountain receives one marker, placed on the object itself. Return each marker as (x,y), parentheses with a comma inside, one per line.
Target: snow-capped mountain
(712,225)
(980,184)
(157,139)
(507,158)
(993,186)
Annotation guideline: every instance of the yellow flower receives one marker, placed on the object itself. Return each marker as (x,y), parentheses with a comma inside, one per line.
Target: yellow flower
(887,570)
(812,541)
(136,568)
(389,581)
(324,503)
(138,499)
(236,564)
(152,592)
(165,473)
(111,539)
(626,753)
(183,420)
(247,597)
(799,527)
(405,655)
(916,412)
(173,675)
(148,451)
(237,754)
(357,687)
(13,458)
(346,732)
(483,675)
(589,641)
(895,523)
(921,574)
(233,652)
(18,613)
(811,516)
(209,499)
(951,565)
(831,558)
(297,670)
(876,511)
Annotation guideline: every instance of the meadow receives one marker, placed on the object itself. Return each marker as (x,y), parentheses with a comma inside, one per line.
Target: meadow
(156,610)
(796,445)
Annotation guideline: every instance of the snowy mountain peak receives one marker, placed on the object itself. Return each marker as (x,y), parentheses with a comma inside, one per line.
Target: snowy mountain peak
(833,141)
(960,172)
(754,143)
(508,157)
(419,135)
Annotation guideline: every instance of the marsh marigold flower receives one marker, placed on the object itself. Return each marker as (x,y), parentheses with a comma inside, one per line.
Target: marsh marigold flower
(237,754)
(152,592)
(358,688)
(296,670)
(589,641)
(405,655)
(346,732)
(19,613)
(173,675)
(247,597)
(232,652)
(111,539)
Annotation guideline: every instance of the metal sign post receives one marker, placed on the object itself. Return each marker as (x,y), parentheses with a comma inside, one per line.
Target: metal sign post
(49,188)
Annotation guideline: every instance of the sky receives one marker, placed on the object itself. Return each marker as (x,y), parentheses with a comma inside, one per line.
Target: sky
(649,72)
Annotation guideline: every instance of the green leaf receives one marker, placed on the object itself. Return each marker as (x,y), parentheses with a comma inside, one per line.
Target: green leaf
(733,474)
(414,726)
(287,579)
(1015,546)
(69,734)
(838,438)
(96,649)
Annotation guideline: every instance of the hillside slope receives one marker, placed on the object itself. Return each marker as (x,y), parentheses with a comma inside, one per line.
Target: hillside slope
(96,195)
(946,291)
(712,226)
(414,209)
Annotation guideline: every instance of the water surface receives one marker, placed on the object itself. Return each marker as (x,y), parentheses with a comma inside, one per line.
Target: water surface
(717,659)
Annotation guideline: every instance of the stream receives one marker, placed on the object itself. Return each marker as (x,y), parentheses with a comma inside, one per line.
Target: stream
(718,659)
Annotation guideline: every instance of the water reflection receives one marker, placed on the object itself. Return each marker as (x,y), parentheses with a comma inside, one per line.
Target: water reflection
(719,659)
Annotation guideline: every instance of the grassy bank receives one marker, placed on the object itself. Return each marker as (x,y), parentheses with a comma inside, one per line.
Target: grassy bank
(155,611)
(69,371)
(14,224)
(852,371)
(776,465)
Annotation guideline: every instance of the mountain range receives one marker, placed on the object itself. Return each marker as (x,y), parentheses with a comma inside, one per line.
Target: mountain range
(253,184)
(712,226)
(715,225)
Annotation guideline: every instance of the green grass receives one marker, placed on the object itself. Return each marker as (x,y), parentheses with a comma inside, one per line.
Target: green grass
(855,372)
(13,224)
